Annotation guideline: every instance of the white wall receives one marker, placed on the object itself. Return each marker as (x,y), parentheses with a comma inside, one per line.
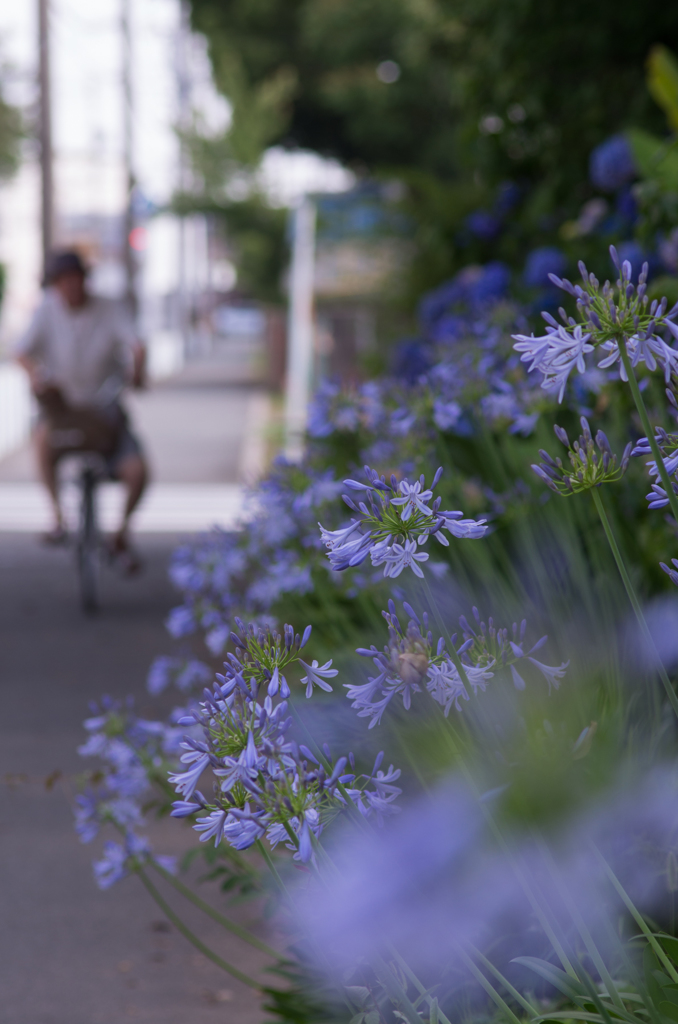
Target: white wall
(15,408)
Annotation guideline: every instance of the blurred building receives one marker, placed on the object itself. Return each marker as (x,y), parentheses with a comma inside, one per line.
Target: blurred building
(362,248)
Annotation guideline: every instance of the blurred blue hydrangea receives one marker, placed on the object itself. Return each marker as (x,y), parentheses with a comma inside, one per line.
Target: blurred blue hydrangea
(471,290)
(411,360)
(542,262)
(483,224)
(626,204)
(611,164)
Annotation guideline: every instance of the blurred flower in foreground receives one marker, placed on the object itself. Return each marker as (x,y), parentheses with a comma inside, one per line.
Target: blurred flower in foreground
(413,662)
(434,881)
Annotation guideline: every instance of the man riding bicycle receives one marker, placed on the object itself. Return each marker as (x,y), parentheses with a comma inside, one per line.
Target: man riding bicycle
(80,351)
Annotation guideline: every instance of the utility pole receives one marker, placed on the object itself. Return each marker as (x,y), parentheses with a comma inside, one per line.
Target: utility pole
(45,132)
(300,329)
(129,257)
(184,114)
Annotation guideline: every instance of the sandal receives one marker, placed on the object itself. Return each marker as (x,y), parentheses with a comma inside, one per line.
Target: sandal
(56,537)
(124,555)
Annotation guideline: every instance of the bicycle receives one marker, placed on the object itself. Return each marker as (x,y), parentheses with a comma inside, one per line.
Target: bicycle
(89,546)
(71,430)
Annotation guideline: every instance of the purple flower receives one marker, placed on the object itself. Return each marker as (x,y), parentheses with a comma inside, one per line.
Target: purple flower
(398,557)
(185,782)
(483,224)
(671,573)
(434,881)
(398,520)
(555,354)
(551,674)
(160,674)
(212,827)
(611,164)
(445,685)
(542,262)
(317,676)
(446,414)
(413,499)
(181,622)
(112,866)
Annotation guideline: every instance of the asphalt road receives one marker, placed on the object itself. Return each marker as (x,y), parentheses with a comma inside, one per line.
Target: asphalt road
(70,954)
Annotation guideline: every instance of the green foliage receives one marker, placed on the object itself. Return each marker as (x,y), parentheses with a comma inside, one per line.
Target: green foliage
(576,71)
(662,82)
(11,133)
(236,875)
(657,158)
(256,232)
(520,91)
(305,997)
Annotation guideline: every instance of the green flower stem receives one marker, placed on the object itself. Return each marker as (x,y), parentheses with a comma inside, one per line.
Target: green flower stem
(421,989)
(648,428)
(635,603)
(639,919)
(489,988)
(395,990)
(523,880)
(225,922)
(489,966)
(387,976)
(193,938)
(454,657)
(583,930)
(273,869)
(313,744)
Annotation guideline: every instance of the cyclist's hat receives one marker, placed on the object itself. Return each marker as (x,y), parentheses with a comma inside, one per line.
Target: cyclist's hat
(62,262)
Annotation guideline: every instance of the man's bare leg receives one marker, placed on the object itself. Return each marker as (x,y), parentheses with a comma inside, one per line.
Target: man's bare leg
(47,460)
(133,473)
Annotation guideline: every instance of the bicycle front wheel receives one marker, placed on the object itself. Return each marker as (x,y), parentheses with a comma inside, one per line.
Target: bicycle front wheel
(88,547)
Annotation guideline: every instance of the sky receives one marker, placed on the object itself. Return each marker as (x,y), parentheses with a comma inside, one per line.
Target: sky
(86,56)
(87,106)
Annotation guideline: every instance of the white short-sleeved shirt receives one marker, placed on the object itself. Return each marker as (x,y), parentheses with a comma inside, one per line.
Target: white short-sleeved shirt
(87,352)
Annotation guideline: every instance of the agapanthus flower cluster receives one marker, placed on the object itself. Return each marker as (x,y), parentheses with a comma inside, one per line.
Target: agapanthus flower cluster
(412,662)
(265,784)
(401,517)
(672,573)
(458,373)
(134,754)
(498,647)
(345,410)
(668,447)
(588,469)
(461,377)
(408,664)
(608,316)
(222,573)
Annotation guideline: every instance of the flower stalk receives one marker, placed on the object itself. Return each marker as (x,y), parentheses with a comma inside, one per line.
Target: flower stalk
(192,937)
(635,603)
(225,922)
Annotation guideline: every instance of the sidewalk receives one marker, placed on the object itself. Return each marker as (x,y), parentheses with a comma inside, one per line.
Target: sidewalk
(70,954)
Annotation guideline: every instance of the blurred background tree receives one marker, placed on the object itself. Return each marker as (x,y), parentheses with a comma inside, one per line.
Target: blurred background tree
(487,111)
(11,134)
